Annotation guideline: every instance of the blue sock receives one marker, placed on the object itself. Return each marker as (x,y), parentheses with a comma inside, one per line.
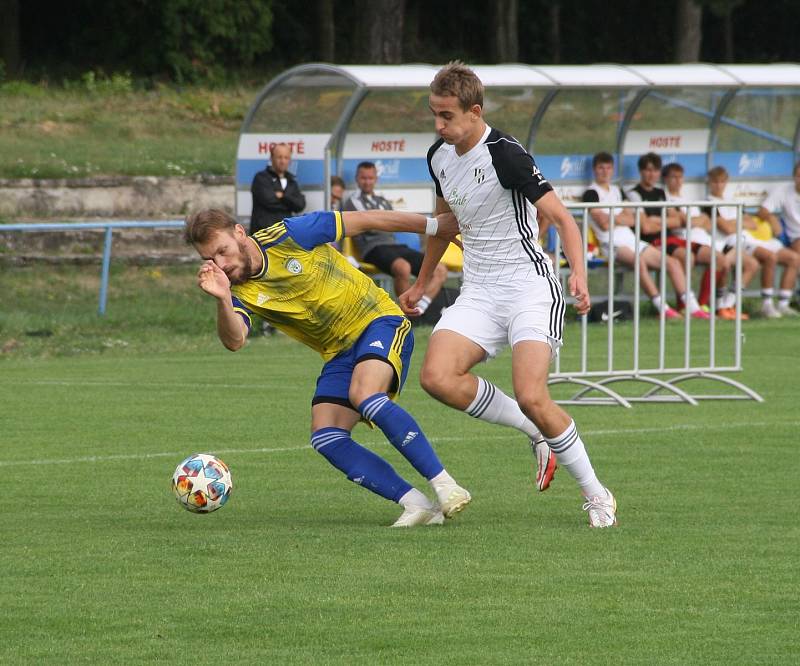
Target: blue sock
(403,432)
(360,465)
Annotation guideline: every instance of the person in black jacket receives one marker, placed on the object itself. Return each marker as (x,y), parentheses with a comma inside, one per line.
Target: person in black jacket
(276,194)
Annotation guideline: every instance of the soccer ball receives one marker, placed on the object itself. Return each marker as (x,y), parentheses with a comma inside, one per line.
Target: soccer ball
(202,483)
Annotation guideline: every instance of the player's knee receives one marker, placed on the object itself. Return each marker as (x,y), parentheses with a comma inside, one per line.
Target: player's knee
(401,268)
(434,379)
(534,404)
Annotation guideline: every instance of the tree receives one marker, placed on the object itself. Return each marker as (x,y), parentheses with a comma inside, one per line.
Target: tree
(555,32)
(9,36)
(381,30)
(327,31)
(504,38)
(724,9)
(688,31)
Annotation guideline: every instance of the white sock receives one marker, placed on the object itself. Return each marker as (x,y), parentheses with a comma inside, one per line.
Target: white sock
(691,302)
(657,301)
(494,406)
(443,485)
(415,498)
(423,304)
(571,455)
(767,294)
(784,296)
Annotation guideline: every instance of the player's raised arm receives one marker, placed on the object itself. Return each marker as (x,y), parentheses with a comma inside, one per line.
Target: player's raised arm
(551,207)
(356,222)
(231,329)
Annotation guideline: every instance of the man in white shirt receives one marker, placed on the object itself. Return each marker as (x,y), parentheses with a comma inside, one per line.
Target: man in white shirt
(786,201)
(624,241)
(510,294)
(702,244)
(768,253)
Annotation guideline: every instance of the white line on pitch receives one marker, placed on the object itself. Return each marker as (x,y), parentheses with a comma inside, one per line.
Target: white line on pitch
(143,384)
(506,435)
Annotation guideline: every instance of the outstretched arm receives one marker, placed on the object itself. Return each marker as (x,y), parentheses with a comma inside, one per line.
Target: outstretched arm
(231,329)
(358,221)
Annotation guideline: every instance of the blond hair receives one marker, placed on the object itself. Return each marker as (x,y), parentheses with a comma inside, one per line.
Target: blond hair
(455,79)
(200,226)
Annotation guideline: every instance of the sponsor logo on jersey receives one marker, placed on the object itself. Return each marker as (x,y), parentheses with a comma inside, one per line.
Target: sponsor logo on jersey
(479,175)
(294,267)
(409,438)
(261,299)
(377,344)
(456,199)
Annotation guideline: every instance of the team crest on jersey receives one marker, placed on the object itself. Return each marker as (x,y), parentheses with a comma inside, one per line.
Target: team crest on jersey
(479,175)
(294,267)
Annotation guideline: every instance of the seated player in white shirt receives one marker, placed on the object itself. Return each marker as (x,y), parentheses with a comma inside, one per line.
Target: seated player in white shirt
(624,241)
(786,201)
(702,245)
(768,253)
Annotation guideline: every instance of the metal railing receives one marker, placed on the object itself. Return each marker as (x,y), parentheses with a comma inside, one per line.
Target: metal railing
(109,231)
(662,376)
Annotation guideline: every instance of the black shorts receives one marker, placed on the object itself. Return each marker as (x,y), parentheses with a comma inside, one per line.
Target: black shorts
(384,256)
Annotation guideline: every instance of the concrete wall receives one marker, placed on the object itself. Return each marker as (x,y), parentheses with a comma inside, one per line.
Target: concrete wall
(119,197)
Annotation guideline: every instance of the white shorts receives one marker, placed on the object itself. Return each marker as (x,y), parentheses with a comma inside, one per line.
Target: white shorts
(498,316)
(629,243)
(699,236)
(750,244)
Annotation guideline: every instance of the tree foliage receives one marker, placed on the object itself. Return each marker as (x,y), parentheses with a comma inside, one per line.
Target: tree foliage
(189,39)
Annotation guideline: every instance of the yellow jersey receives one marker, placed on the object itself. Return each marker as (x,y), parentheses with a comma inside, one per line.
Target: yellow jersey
(307,289)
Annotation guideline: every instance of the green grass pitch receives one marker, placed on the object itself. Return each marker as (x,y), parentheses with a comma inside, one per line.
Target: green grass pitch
(100,565)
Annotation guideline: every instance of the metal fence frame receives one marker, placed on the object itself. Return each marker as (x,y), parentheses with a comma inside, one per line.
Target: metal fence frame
(109,231)
(664,380)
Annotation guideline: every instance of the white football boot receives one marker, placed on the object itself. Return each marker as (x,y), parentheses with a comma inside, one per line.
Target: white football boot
(453,499)
(769,310)
(787,310)
(419,515)
(602,510)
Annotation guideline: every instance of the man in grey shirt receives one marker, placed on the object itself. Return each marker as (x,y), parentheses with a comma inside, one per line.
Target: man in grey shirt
(381,249)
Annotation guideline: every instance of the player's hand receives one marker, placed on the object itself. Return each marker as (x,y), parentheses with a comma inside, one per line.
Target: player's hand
(279,195)
(448,228)
(579,290)
(409,299)
(212,280)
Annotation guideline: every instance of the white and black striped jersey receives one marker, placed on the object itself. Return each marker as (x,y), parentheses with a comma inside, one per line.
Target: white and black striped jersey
(492,189)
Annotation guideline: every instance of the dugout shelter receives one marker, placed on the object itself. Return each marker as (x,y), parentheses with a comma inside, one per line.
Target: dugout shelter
(743,117)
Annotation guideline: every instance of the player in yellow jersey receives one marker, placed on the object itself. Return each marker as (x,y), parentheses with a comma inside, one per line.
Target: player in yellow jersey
(291,277)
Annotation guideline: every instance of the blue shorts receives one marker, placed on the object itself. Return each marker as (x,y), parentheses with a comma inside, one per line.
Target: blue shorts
(387,338)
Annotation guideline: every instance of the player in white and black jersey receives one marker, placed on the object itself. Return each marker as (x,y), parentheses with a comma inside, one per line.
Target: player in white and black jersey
(510,294)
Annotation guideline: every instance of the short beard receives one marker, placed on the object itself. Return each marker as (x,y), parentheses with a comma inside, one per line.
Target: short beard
(247,266)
